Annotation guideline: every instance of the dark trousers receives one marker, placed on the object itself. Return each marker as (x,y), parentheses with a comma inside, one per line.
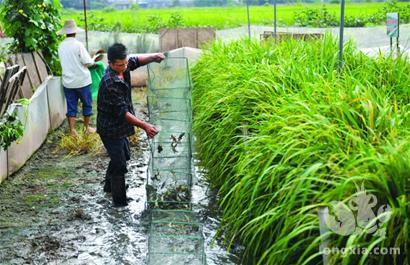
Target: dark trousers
(119,153)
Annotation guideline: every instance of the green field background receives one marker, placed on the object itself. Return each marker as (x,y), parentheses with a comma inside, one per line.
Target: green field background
(218,17)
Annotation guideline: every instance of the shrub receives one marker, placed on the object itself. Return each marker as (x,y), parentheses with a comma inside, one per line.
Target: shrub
(11,129)
(154,23)
(176,20)
(4,52)
(392,6)
(134,7)
(34,24)
(355,22)
(94,22)
(108,9)
(315,18)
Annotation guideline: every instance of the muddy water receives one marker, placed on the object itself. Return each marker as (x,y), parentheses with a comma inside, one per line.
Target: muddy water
(204,203)
(53,211)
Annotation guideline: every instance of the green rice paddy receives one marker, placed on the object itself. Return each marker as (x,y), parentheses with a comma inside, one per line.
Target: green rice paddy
(281,134)
(147,20)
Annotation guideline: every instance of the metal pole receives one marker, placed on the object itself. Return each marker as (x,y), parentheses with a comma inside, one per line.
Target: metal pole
(274,19)
(398,33)
(249,21)
(391,44)
(85,23)
(397,38)
(342,24)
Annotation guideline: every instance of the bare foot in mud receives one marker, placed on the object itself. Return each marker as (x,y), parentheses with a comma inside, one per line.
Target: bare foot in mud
(74,134)
(90,130)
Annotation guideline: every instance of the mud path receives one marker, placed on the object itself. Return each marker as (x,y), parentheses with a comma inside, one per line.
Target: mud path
(53,211)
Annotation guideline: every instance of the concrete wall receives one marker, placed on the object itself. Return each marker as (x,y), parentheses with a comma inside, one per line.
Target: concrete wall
(45,112)
(170,39)
(57,105)
(36,120)
(140,75)
(3,165)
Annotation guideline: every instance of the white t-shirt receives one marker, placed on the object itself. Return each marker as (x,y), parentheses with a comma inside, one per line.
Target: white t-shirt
(74,60)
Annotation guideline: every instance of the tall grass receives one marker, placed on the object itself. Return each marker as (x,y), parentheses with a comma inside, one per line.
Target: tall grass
(281,133)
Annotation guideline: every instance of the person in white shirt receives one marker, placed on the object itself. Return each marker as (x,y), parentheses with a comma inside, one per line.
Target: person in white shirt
(75,61)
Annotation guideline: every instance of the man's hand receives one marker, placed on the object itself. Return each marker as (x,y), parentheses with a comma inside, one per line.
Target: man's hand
(158,57)
(92,66)
(150,130)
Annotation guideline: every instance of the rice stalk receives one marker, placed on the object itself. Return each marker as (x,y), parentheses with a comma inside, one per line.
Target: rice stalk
(311,137)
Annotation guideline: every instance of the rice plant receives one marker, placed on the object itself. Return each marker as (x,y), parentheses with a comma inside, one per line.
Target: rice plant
(83,144)
(281,133)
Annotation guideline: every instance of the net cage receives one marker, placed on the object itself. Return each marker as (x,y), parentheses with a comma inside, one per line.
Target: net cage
(176,237)
(170,170)
(169,94)
(169,105)
(171,127)
(169,108)
(170,76)
(169,186)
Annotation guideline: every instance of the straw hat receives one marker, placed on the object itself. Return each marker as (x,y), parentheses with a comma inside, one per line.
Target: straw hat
(97,55)
(69,28)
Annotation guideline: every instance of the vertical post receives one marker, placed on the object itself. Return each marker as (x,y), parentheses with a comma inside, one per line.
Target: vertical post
(391,44)
(85,23)
(342,22)
(397,38)
(7,163)
(249,21)
(274,19)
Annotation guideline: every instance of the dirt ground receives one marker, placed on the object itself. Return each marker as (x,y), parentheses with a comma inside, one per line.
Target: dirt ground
(54,211)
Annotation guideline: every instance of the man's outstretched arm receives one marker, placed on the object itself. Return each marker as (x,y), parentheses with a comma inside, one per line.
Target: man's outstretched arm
(146,59)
